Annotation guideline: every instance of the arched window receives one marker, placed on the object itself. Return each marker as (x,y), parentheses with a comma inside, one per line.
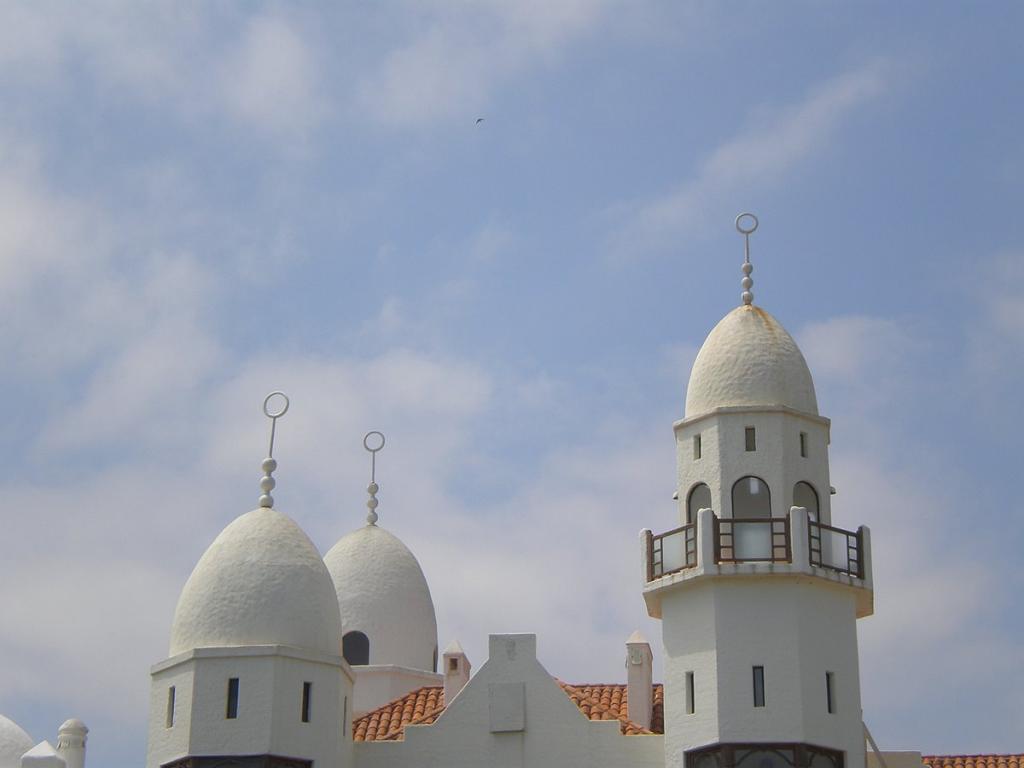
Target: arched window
(751,498)
(355,647)
(699,498)
(804,495)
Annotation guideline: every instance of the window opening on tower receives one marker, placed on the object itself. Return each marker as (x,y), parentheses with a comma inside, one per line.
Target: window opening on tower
(758,686)
(355,647)
(232,707)
(698,498)
(751,503)
(805,496)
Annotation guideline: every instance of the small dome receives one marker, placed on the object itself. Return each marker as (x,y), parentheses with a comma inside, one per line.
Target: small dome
(749,359)
(261,582)
(14,743)
(382,593)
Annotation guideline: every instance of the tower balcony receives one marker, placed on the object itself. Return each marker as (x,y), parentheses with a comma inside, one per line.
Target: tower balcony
(719,547)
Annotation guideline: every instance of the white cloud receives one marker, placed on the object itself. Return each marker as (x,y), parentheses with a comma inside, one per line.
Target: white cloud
(168,56)
(860,364)
(774,144)
(456,56)
(271,79)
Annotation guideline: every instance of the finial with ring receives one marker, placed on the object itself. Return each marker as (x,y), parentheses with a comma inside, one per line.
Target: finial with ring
(267,482)
(746,225)
(373,442)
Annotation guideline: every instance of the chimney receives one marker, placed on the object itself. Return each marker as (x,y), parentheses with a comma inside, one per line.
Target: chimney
(639,680)
(456,671)
(71,742)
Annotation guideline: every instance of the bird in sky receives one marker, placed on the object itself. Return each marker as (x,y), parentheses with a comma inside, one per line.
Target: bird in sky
(479,120)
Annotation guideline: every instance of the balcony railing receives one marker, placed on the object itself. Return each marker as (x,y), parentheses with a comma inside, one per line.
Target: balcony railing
(796,539)
(671,551)
(835,548)
(752,540)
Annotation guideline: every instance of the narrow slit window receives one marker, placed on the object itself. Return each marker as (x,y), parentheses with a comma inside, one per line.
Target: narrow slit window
(307,691)
(830,692)
(232,710)
(691,705)
(170,707)
(453,665)
(696,447)
(803,444)
(750,438)
(346,730)
(758,686)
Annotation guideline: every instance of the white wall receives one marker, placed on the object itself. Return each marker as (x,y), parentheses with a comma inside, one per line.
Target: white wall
(269,705)
(777,460)
(797,628)
(511,714)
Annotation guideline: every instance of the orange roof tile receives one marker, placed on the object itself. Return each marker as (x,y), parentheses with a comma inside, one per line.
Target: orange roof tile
(387,722)
(615,699)
(973,761)
(424,705)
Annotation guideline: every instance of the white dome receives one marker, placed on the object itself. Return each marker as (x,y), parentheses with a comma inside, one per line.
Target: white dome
(748,359)
(383,594)
(261,582)
(14,743)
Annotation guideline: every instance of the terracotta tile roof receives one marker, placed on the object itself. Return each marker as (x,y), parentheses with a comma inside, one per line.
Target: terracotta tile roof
(387,723)
(424,705)
(614,699)
(973,761)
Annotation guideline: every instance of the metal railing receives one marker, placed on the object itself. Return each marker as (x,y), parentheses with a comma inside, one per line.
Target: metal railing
(671,551)
(835,548)
(752,540)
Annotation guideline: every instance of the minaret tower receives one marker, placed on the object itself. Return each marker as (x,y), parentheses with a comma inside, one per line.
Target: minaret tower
(758,593)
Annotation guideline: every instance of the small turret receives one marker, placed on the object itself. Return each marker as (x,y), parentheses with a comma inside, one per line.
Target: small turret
(71,742)
(456,671)
(639,680)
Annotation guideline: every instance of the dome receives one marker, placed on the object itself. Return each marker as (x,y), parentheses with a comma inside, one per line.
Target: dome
(261,582)
(382,593)
(749,359)
(14,743)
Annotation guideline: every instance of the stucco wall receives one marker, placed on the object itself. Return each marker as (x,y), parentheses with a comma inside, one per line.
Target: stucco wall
(777,460)
(269,705)
(797,628)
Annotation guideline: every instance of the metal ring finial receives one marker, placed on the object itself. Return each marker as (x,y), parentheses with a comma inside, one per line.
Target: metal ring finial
(747,231)
(366,441)
(372,488)
(267,482)
(739,226)
(266,405)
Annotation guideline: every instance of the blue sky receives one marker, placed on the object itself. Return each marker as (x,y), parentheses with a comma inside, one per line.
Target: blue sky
(202,203)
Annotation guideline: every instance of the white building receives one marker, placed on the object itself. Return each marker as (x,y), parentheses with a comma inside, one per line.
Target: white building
(279,658)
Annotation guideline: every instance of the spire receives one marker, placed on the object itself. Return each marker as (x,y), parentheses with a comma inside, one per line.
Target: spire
(267,482)
(746,231)
(373,442)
